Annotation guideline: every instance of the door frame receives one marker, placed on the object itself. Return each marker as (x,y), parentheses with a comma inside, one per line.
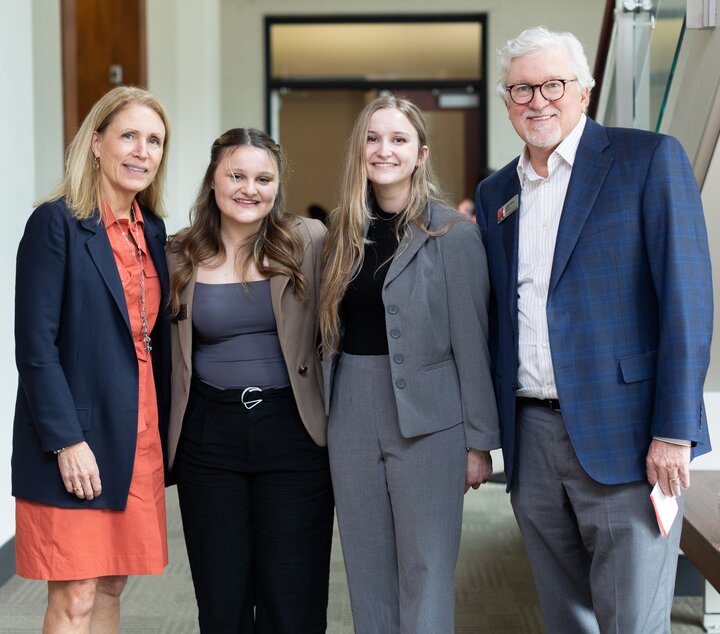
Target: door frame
(479,86)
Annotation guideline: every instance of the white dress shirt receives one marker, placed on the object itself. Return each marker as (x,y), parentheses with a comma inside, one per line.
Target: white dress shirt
(541,203)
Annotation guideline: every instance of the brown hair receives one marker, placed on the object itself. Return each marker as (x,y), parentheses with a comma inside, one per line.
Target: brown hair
(275,240)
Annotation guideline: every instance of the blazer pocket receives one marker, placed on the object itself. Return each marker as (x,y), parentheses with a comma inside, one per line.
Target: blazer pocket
(615,221)
(84,415)
(639,367)
(438,365)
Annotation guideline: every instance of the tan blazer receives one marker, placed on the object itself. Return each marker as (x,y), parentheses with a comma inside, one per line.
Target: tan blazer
(297,327)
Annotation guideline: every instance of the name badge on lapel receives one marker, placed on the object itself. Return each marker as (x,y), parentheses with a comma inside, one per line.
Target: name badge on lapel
(508,208)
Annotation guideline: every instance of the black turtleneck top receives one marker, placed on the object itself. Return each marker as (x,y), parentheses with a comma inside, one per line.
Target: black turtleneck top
(362,307)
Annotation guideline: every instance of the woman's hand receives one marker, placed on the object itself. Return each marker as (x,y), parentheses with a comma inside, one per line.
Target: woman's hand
(479,468)
(79,471)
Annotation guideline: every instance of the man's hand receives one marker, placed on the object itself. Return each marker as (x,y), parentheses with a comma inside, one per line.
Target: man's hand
(668,464)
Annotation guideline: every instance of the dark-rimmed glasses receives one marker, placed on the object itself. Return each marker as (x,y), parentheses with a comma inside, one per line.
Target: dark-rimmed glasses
(552,90)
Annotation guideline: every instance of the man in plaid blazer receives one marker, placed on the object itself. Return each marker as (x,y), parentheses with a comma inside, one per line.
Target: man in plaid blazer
(601,320)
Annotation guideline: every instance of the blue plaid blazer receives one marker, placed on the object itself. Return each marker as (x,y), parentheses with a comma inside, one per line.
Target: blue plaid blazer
(630,304)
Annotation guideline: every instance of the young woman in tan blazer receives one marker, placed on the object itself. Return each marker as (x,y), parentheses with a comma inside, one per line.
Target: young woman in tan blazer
(247,429)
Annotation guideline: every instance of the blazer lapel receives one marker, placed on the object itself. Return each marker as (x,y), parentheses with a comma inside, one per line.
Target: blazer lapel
(102,255)
(185,325)
(410,244)
(278,283)
(277,288)
(588,175)
(509,229)
(156,247)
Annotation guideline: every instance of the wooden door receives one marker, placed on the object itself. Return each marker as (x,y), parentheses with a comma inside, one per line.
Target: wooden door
(103,46)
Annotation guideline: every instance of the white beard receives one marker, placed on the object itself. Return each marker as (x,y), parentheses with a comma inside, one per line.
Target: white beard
(542,135)
(545,134)
(544,139)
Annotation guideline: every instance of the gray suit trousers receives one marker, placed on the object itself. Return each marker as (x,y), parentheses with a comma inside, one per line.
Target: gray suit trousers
(399,505)
(599,561)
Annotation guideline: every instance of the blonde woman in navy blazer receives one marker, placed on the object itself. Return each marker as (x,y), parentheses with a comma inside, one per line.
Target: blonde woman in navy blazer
(407,384)
(87,466)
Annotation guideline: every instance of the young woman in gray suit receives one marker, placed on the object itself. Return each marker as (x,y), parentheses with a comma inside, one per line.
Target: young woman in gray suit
(403,319)
(247,428)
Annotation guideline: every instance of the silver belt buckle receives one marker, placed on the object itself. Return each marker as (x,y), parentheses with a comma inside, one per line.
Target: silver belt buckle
(249,402)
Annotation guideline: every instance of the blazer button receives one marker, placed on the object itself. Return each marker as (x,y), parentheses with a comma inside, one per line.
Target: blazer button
(302,370)
(400,383)
(395,333)
(392,309)
(398,358)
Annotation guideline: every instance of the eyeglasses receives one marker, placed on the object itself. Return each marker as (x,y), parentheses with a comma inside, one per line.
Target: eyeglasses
(552,90)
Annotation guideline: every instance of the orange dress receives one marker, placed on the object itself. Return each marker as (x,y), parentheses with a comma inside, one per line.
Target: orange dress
(59,544)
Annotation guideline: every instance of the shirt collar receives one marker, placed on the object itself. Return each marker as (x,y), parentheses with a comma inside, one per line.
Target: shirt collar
(566,151)
(109,216)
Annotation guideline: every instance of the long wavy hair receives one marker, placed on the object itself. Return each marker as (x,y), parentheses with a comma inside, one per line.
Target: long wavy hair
(275,249)
(80,186)
(345,246)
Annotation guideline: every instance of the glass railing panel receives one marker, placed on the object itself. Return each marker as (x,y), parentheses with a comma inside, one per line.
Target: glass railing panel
(664,47)
(641,61)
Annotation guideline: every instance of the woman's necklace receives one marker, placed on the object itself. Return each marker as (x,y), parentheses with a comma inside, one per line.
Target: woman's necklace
(138,258)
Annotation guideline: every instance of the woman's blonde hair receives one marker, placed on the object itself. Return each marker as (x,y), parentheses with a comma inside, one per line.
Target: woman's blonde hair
(345,247)
(275,249)
(80,186)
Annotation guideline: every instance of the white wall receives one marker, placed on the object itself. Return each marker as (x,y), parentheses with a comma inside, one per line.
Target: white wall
(17,191)
(47,97)
(184,73)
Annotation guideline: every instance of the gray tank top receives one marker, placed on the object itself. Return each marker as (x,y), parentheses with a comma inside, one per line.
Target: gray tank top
(235,339)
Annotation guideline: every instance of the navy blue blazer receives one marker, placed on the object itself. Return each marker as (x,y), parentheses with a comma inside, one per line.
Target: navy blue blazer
(629,308)
(77,365)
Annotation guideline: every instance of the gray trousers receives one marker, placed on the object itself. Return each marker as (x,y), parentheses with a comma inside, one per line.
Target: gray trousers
(399,505)
(599,561)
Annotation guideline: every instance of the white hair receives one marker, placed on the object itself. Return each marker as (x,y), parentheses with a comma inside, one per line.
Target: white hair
(540,38)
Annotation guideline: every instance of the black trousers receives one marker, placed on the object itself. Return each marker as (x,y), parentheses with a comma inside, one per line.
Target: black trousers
(257,510)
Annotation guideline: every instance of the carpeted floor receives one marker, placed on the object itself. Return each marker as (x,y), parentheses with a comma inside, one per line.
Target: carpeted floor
(495,591)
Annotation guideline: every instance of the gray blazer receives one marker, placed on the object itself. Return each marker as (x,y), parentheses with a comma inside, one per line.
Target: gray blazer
(436,301)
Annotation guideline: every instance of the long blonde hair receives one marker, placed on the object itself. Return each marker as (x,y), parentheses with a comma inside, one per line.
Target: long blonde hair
(80,186)
(275,241)
(345,246)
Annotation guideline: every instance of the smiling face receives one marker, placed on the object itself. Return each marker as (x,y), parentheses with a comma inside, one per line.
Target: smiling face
(543,124)
(392,151)
(129,151)
(245,182)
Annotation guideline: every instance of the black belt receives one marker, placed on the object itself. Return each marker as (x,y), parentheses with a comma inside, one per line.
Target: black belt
(548,403)
(249,396)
